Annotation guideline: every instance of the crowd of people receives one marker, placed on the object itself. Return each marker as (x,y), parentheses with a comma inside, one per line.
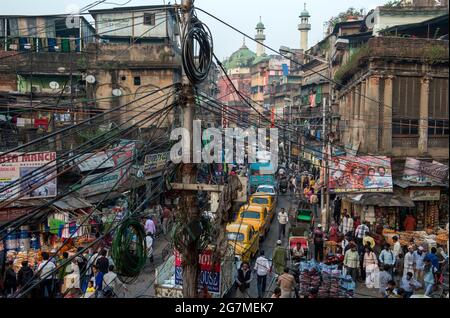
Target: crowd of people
(366,254)
(92,273)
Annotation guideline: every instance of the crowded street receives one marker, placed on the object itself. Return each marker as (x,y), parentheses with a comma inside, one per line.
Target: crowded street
(230,150)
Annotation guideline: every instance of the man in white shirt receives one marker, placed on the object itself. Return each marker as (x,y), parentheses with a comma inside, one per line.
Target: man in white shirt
(397,247)
(283,219)
(347,223)
(262,268)
(46,274)
(408,265)
(149,243)
(110,283)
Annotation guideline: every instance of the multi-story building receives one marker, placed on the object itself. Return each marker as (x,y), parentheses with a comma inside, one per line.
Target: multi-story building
(41,81)
(136,52)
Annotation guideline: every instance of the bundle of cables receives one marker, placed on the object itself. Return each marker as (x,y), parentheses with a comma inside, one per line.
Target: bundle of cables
(129,250)
(197,64)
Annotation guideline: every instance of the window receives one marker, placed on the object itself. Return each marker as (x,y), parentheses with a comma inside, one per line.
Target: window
(233,236)
(137,81)
(250,215)
(437,127)
(123,78)
(405,127)
(260,201)
(149,19)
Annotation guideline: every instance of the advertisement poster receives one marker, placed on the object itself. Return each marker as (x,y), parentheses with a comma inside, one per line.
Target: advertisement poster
(156,162)
(100,182)
(208,276)
(25,166)
(425,172)
(360,174)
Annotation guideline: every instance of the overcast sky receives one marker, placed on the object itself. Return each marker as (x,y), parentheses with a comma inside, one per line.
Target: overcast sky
(279,16)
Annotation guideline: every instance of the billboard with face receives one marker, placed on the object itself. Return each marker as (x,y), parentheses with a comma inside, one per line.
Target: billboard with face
(360,174)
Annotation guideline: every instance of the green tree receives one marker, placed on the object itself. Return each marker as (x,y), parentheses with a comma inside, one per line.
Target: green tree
(344,16)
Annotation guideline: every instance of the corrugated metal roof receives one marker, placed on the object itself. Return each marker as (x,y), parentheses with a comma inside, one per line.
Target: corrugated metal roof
(71,203)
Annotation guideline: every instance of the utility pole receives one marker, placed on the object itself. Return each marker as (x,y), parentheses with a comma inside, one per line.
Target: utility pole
(324,159)
(189,176)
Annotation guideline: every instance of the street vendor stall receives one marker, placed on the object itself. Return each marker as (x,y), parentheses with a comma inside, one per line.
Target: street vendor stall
(327,280)
(428,239)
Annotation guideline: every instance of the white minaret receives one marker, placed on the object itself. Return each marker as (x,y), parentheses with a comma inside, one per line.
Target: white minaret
(260,37)
(304,27)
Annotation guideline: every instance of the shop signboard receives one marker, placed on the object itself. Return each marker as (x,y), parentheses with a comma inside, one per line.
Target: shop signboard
(156,162)
(26,167)
(208,276)
(352,174)
(105,159)
(101,182)
(425,194)
(419,171)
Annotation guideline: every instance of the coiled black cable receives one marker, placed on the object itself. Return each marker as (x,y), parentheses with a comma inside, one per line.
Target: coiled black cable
(197,67)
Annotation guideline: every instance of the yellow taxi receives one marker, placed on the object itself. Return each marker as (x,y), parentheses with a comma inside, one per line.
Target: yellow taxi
(257,216)
(265,200)
(243,239)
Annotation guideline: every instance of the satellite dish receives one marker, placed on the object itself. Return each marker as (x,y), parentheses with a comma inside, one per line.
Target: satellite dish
(370,20)
(117,92)
(90,79)
(54,85)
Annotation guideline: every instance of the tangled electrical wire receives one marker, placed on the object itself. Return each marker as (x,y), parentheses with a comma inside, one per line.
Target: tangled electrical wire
(129,250)
(197,65)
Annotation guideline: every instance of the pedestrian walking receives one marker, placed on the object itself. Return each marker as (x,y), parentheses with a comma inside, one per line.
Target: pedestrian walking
(46,276)
(369,258)
(150,227)
(10,283)
(243,279)
(286,281)
(337,210)
(360,233)
(384,278)
(397,247)
(333,233)
(149,244)
(262,268)
(347,223)
(351,262)
(387,258)
(318,238)
(408,264)
(409,284)
(419,257)
(279,258)
(314,201)
(166,216)
(25,275)
(98,281)
(283,219)
(429,278)
(398,268)
(102,262)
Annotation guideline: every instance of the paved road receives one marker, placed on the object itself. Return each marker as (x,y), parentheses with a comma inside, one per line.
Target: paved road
(143,286)
(269,244)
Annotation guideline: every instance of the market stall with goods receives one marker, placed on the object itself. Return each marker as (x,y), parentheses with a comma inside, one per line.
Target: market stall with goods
(428,238)
(328,281)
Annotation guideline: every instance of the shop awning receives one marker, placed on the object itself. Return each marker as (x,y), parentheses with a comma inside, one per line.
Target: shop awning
(404,184)
(103,197)
(72,203)
(382,199)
